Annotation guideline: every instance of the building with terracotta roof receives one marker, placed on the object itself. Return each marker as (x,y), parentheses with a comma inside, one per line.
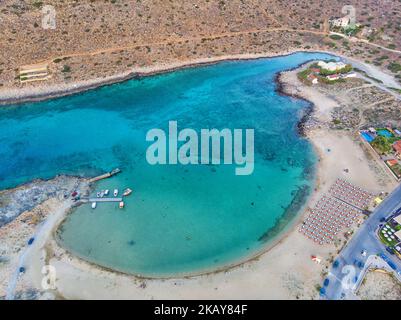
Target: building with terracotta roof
(397,147)
(313,78)
(392,162)
(333,77)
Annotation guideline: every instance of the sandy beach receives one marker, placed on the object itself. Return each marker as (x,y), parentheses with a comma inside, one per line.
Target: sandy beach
(284,271)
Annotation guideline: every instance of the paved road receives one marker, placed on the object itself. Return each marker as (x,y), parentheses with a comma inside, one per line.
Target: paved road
(345,277)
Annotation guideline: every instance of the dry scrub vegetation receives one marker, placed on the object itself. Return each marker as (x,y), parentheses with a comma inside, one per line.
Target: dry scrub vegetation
(99,38)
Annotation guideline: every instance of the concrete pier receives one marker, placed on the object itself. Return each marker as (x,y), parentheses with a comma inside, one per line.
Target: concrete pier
(105,176)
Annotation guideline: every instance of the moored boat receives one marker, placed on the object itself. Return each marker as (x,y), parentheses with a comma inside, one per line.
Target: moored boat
(121,205)
(127,192)
(115,192)
(106,192)
(93,205)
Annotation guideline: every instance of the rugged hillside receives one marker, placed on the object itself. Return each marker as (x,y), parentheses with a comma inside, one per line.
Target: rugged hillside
(97,38)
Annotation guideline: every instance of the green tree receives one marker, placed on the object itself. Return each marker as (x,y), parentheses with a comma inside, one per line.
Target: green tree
(382,145)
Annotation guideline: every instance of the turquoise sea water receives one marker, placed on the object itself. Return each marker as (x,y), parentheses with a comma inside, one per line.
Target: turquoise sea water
(180,219)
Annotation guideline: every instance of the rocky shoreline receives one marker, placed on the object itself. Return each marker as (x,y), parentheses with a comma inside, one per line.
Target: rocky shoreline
(35,94)
(25,197)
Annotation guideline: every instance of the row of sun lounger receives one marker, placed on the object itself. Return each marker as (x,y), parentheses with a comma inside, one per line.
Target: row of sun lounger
(351,194)
(327,219)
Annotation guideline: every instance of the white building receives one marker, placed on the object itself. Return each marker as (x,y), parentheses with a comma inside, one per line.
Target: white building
(340,22)
(333,77)
(331,66)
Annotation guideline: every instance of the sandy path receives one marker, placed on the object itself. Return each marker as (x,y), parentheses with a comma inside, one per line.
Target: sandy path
(179,40)
(32,255)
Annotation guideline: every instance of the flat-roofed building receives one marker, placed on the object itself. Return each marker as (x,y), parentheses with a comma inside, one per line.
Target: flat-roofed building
(38,72)
(397,219)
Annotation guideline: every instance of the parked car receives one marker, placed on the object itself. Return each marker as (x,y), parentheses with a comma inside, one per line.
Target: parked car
(391,216)
(392,265)
(390,250)
(383,256)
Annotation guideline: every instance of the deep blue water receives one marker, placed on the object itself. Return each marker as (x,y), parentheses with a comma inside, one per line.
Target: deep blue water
(179,218)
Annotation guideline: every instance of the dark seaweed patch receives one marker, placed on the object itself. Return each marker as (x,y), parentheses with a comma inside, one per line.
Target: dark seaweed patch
(289,213)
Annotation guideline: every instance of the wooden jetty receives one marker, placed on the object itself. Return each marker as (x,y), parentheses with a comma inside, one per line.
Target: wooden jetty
(106,199)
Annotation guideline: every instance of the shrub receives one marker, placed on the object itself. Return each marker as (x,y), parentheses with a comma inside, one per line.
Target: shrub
(66,68)
(335,37)
(394,67)
(37,4)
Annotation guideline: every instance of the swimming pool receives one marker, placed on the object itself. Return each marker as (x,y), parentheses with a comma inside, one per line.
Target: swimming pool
(368,137)
(385,133)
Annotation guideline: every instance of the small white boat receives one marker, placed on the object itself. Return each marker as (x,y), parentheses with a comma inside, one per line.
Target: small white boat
(115,192)
(93,205)
(106,192)
(127,192)
(98,194)
(121,204)
(102,194)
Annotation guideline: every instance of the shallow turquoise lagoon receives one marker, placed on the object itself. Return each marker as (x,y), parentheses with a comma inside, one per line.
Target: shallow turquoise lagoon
(180,219)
